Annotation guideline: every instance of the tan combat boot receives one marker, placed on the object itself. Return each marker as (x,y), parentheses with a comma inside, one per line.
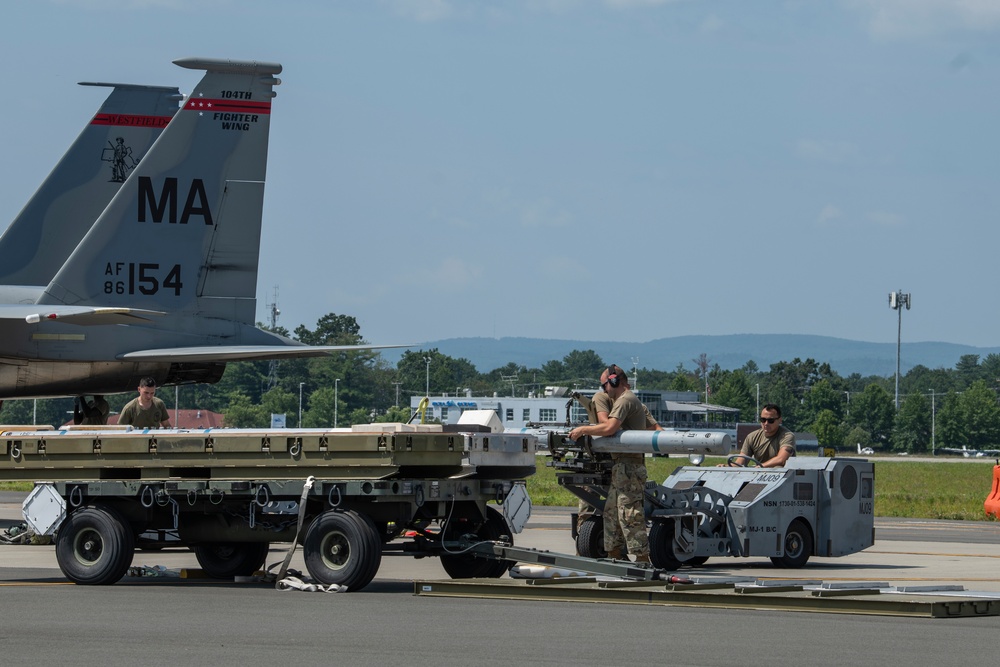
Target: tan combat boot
(642,558)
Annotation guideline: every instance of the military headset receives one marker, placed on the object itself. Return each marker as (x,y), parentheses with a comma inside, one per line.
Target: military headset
(613,378)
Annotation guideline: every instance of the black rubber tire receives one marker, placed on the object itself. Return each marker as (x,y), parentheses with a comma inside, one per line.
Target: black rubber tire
(95,546)
(697,561)
(590,538)
(797,546)
(225,560)
(467,566)
(342,547)
(375,537)
(661,546)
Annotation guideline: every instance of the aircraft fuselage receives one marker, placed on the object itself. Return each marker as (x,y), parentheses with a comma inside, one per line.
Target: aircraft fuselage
(20,379)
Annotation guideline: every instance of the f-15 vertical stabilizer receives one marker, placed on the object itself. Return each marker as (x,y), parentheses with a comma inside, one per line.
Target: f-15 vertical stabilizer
(82,183)
(182,235)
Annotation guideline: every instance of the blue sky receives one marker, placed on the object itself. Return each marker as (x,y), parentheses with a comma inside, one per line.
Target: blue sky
(584,169)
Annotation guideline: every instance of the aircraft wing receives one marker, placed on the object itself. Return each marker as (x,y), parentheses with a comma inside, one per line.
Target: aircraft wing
(81,315)
(244,352)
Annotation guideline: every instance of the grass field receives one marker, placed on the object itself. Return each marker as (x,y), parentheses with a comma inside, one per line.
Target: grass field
(912,489)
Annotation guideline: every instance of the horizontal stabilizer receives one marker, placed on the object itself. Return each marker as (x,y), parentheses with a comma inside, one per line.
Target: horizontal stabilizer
(81,315)
(219,353)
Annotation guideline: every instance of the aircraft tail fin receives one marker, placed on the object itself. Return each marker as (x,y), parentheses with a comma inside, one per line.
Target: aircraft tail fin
(82,183)
(182,235)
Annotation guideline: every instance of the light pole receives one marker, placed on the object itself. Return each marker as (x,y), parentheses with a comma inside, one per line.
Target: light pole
(427,386)
(848,403)
(897,300)
(932,421)
(635,373)
(301,384)
(758,398)
(336,400)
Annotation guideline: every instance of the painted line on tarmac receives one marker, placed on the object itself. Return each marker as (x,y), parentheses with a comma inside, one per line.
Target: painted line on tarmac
(35,583)
(929,553)
(972,527)
(957,579)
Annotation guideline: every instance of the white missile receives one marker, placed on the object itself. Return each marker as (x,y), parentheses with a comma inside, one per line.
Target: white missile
(665,442)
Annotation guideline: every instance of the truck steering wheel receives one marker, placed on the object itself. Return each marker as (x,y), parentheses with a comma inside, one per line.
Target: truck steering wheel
(749,460)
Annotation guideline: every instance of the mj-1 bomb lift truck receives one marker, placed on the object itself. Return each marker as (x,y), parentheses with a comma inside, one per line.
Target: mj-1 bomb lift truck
(813,506)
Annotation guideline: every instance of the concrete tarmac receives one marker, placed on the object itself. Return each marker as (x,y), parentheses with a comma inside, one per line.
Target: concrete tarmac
(194,621)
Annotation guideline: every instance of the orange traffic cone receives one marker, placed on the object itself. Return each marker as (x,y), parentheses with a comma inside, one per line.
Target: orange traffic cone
(992,504)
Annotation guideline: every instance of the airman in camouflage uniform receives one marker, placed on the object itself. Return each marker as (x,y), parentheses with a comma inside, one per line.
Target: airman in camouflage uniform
(624,519)
(146,410)
(598,408)
(771,446)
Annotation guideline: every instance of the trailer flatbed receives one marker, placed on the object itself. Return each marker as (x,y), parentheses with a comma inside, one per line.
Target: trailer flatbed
(229,493)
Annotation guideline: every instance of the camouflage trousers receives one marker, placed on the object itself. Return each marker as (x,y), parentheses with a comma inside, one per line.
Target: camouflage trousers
(583,512)
(624,518)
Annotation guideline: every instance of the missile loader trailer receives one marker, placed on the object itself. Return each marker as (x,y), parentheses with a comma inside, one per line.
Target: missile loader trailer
(229,493)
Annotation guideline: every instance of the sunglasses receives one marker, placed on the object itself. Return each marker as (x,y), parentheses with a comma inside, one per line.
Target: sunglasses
(769,420)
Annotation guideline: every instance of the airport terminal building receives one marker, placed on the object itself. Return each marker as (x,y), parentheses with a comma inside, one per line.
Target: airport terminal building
(678,409)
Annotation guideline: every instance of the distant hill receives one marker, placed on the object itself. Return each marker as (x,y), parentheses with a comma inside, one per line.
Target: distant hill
(730,352)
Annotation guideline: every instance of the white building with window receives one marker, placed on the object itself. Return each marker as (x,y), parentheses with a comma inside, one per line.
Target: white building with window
(679,409)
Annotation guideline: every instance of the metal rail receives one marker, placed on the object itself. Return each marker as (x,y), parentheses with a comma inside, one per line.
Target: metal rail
(726,595)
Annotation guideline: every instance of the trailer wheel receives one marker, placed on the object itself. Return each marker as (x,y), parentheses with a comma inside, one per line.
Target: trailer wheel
(95,546)
(376,540)
(661,545)
(342,547)
(590,538)
(225,560)
(797,546)
(697,561)
(467,566)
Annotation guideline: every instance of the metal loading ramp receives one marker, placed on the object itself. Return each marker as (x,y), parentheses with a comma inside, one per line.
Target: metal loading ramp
(877,599)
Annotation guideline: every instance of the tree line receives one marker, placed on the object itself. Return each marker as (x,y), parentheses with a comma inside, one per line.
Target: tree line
(943,407)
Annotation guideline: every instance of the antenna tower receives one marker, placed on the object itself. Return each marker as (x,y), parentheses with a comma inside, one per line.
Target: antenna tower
(509,378)
(273,313)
